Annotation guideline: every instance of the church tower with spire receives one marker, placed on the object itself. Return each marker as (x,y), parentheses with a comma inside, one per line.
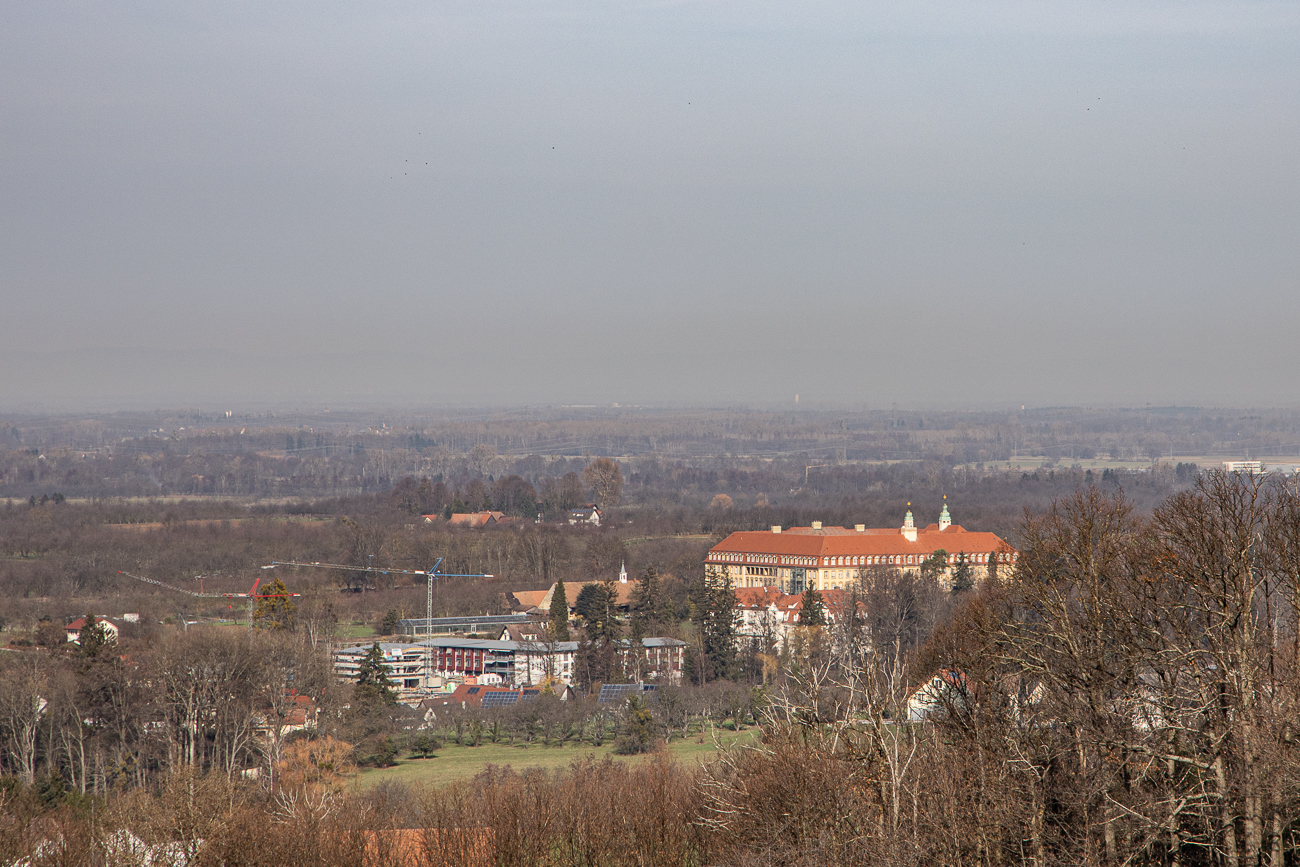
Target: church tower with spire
(945,520)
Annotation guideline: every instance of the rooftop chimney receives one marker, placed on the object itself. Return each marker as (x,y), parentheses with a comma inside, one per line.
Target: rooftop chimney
(816,525)
(861,528)
(776,528)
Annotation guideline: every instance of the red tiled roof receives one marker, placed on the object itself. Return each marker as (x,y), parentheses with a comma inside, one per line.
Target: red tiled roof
(470,694)
(476,519)
(837,541)
(757,597)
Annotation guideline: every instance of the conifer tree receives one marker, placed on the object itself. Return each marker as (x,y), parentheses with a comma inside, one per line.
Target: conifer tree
(275,609)
(813,611)
(373,684)
(559,613)
(95,637)
(713,608)
(962,579)
(646,601)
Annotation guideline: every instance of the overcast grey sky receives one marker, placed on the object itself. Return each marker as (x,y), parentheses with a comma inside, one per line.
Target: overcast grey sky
(694,202)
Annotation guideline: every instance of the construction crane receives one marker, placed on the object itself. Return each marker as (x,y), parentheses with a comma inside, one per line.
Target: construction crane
(433,573)
(252,595)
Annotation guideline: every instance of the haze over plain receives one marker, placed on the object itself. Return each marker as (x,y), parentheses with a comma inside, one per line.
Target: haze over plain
(686,202)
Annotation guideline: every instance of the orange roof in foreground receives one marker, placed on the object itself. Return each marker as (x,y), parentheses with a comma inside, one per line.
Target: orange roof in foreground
(837,541)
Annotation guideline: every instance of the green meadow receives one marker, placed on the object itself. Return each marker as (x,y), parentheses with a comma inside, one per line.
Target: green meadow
(453,763)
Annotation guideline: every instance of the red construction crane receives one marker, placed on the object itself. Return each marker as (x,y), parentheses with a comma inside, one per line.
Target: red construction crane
(252,595)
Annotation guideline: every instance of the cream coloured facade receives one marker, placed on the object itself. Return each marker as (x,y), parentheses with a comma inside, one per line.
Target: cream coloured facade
(828,558)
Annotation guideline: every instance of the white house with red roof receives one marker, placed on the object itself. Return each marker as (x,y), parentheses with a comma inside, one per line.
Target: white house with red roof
(112,626)
(759,612)
(767,613)
(829,558)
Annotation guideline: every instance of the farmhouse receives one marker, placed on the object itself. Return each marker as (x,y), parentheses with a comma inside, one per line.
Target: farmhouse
(588,514)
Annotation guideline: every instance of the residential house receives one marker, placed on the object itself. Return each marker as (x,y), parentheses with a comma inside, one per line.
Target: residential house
(533,630)
(587,515)
(943,693)
(476,520)
(112,626)
(759,614)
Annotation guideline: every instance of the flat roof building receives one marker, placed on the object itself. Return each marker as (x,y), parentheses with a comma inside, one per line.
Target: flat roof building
(421,668)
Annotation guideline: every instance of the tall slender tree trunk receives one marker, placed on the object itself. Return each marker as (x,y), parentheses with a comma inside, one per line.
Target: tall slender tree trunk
(1254,808)
(1275,858)
(1227,822)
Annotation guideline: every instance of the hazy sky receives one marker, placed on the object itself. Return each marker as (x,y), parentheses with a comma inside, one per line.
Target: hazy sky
(696,202)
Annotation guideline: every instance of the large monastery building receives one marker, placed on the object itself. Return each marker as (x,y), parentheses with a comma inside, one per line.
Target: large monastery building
(827,558)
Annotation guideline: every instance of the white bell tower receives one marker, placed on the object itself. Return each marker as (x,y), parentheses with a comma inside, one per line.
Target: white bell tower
(909,528)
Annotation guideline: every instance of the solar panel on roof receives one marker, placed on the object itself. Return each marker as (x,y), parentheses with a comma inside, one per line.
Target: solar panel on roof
(500,699)
(616,692)
(525,695)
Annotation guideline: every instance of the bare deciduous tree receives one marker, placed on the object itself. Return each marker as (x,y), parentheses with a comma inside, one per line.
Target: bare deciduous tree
(605,476)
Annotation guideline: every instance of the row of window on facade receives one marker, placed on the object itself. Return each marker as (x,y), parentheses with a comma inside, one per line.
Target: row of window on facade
(866,560)
(718,556)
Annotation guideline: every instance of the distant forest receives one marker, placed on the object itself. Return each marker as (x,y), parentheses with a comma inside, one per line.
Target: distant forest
(674,456)
(172,496)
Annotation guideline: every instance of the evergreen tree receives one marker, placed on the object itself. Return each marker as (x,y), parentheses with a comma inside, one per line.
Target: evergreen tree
(596,662)
(373,684)
(647,604)
(595,605)
(962,578)
(597,651)
(274,608)
(813,611)
(639,733)
(559,613)
(95,638)
(934,565)
(713,610)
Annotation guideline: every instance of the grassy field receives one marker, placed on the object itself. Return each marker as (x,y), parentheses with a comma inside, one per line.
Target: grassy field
(454,763)
(357,630)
